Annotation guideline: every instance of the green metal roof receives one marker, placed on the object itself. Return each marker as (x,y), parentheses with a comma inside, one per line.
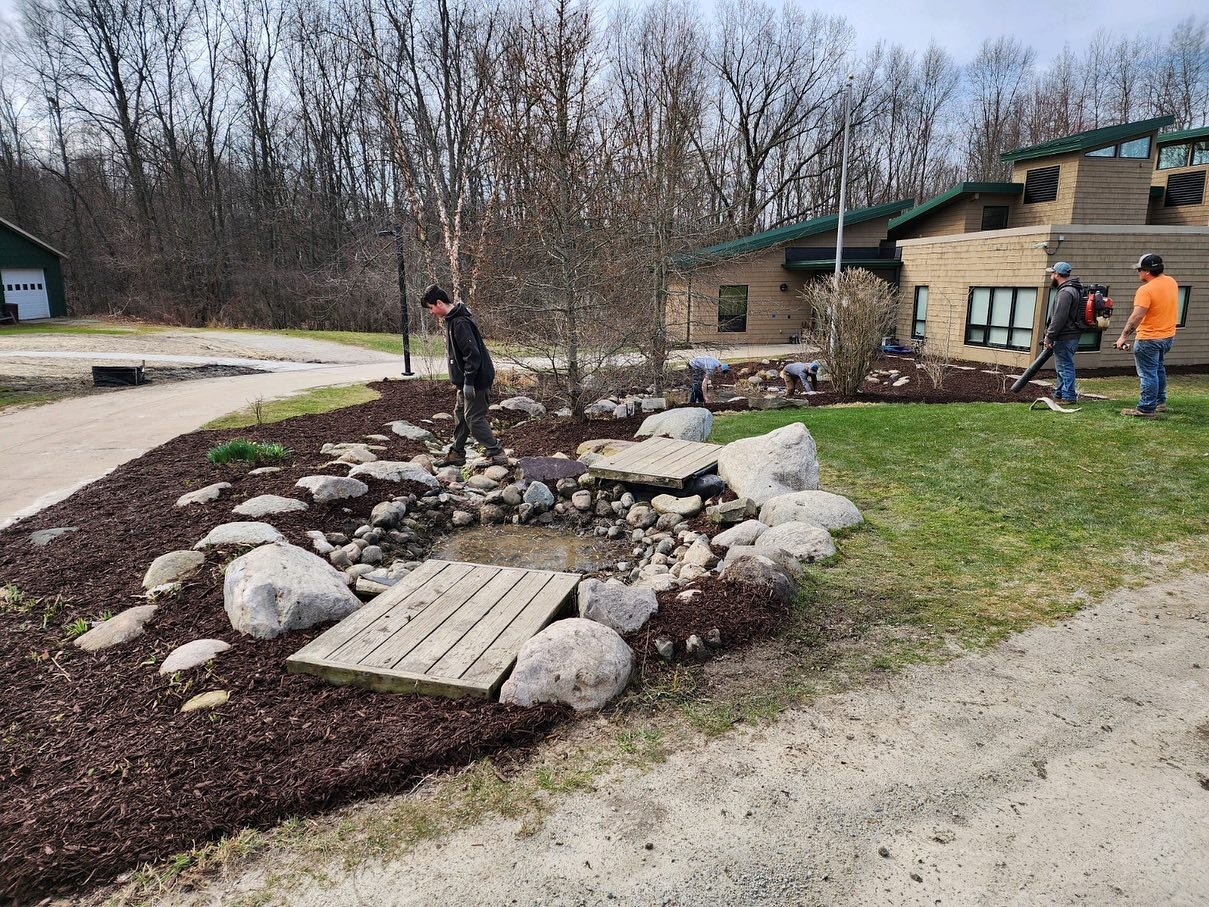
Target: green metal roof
(790,232)
(939,201)
(1183,135)
(1084,141)
(828,264)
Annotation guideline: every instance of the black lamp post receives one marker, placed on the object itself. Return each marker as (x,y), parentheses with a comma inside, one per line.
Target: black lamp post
(397,233)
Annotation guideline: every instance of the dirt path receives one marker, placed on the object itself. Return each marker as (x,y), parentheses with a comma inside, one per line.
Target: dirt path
(1069,766)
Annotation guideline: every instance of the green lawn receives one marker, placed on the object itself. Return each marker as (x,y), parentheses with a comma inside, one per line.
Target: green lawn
(99,327)
(983,518)
(319,400)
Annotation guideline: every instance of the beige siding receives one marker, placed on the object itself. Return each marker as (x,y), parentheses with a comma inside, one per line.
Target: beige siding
(963,215)
(773,315)
(1112,190)
(1062,209)
(950,266)
(1184,215)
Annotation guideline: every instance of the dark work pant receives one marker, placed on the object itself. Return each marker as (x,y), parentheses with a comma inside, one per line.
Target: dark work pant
(697,395)
(470,418)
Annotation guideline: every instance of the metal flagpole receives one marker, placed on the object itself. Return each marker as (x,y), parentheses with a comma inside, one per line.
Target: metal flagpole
(839,233)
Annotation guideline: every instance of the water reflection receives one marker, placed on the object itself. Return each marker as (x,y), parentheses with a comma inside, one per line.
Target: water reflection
(531,547)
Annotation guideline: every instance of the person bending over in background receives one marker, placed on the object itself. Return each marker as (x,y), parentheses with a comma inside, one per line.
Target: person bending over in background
(796,376)
(702,367)
(471,372)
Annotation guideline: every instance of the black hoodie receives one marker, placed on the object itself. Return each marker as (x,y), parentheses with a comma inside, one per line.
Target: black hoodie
(469,361)
(1061,324)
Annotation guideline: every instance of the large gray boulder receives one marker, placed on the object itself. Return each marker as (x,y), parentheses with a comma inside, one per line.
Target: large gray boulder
(241,533)
(744,533)
(396,471)
(172,567)
(780,462)
(405,429)
(268,504)
(325,489)
(526,405)
(120,628)
(761,575)
(580,663)
(800,541)
(624,608)
(686,423)
(821,508)
(277,588)
(539,495)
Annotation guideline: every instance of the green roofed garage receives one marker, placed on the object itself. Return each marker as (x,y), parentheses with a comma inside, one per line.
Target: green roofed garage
(31,274)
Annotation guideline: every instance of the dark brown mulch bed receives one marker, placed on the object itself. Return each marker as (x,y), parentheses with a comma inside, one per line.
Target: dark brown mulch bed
(99,770)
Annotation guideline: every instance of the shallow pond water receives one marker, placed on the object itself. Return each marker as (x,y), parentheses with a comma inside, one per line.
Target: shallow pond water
(531,547)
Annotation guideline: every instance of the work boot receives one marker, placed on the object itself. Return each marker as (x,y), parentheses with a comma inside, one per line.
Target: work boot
(1161,408)
(1141,414)
(452,459)
(500,459)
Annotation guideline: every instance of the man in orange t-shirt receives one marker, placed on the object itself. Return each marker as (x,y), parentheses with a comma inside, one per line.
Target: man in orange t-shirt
(1154,315)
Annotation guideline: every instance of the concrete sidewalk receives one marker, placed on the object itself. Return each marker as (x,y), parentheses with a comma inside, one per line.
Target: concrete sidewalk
(47,452)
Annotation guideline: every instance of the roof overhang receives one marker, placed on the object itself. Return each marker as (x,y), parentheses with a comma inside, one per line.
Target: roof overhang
(1182,135)
(33,239)
(828,264)
(770,238)
(1090,140)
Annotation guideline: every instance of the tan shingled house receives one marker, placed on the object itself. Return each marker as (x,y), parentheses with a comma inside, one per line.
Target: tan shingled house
(970,262)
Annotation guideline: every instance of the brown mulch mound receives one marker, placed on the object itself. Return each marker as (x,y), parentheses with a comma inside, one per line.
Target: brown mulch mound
(100,771)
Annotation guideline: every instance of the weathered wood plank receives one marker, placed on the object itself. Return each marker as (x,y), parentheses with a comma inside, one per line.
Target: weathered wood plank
(501,654)
(466,619)
(445,638)
(324,645)
(419,628)
(486,631)
(666,462)
(384,680)
(394,620)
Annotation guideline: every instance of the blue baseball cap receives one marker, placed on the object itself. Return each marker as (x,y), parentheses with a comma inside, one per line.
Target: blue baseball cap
(1062,267)
(725,367)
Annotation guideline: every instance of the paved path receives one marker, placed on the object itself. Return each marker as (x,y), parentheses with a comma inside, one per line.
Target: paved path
(47,452)
(1068,766)
(265,365)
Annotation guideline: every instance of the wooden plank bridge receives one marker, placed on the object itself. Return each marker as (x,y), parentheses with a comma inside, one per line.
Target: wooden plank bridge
(665,462)
(448,628)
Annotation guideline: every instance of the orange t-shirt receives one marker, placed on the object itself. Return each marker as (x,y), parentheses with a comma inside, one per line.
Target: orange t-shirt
(1161,300)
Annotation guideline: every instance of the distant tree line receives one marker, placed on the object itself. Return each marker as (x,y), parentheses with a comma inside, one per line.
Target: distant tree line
(232,161)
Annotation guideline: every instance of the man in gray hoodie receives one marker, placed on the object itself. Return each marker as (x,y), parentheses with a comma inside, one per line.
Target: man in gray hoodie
(1061,332)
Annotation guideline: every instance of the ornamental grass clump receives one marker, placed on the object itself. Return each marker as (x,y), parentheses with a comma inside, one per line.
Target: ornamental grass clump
(251,451)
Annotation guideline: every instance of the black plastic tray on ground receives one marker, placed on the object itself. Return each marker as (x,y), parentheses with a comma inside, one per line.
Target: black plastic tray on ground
(117,375)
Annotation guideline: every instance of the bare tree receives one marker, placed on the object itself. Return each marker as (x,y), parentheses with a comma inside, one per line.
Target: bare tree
(852,312)
(998,82)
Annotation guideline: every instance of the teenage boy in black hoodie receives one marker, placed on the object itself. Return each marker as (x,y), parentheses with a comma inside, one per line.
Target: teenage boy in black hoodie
(471,372)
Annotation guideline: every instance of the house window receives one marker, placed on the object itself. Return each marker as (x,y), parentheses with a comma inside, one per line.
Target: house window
(1089,341)
(994,217)
(1181,307)
(919,318)
(1171,156)
(732,309)
(1001,317)
(1185,189)
(1200,154)
(1110,151)
(1041,185)
(1135,150)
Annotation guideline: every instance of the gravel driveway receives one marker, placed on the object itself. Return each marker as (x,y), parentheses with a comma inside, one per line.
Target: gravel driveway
(1067,766)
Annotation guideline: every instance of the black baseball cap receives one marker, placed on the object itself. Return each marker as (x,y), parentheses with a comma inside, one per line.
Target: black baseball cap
(1149,262)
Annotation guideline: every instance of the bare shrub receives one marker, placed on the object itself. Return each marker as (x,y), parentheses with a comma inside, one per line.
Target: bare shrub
(851,315)
(936,352)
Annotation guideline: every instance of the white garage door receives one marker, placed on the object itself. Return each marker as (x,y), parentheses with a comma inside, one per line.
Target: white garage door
(27,288)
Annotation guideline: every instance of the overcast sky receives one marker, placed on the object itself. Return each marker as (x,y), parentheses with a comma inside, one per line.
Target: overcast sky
(961,25)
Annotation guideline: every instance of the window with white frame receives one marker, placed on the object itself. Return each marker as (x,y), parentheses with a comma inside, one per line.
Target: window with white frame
(919,318)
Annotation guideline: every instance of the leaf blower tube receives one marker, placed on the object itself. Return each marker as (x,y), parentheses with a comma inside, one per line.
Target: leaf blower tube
(1029,372)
